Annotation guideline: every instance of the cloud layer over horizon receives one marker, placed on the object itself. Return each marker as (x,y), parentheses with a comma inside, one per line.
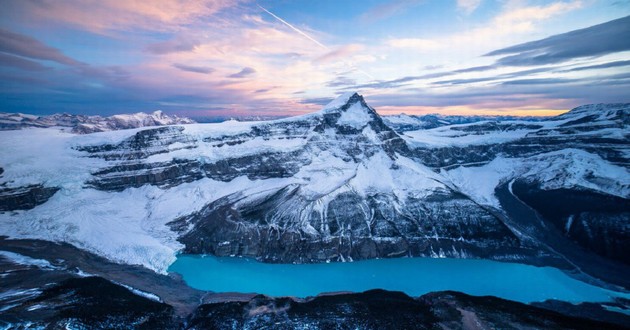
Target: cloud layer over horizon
(222,58)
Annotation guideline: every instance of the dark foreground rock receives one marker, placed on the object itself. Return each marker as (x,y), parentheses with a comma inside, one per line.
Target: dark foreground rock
(95,303)
(91,303)
(379,309)
(68,262)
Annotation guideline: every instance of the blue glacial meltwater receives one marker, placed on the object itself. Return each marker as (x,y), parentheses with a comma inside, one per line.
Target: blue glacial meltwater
(414,276)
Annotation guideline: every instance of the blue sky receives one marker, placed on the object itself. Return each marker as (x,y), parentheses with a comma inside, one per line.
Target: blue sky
(233,58)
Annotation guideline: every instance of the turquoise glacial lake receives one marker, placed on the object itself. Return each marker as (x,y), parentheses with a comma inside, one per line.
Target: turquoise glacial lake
(414,276)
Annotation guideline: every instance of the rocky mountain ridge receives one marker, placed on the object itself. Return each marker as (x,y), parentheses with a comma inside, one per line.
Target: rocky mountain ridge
(335,185)
(83,124)
(403,122)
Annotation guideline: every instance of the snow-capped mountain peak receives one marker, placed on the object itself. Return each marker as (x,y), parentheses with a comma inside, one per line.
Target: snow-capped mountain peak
(350,110)
(354,111)
(342,100)
(338,184)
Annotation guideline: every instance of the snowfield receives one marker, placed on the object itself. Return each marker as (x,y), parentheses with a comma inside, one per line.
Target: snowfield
(130,226)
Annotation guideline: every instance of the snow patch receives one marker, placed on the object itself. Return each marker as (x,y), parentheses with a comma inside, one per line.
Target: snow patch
(340,101)
(28,261)
(479,182)
(356,116)
(568,168)
(140,293)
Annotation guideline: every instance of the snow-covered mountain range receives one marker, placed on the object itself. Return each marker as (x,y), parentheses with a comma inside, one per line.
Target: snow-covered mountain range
(403,122)
(335,185)
(82,124)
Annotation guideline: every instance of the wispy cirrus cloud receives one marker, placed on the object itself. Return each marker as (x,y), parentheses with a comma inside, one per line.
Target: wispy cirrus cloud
(538,55)
(178,44)
(341,81)
(468,6)
(607,65)
(341,53)
(418,44)
(512,20)
(598,40)
(540,81)
(245,72)
(320,101)
(491,78)
(12,61)
(193,68)
(25,46)
(388,9)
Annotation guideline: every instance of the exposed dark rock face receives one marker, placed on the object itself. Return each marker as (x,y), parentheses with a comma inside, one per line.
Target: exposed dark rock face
(178,171)
(257,167)
(593,220)
(267,228)
(143,144)
(24,198)
(611,149)
(162,174)
(588,265)
(378,309)
(132,171)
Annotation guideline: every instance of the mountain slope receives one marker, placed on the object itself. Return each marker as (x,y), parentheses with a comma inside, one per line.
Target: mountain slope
(82,124)
(338,184)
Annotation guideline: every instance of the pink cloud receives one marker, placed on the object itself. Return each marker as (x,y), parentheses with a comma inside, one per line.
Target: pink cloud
(341,53)
(22,45)
(103,15)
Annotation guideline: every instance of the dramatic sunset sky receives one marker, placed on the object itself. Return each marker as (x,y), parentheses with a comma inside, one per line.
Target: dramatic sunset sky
(284,57)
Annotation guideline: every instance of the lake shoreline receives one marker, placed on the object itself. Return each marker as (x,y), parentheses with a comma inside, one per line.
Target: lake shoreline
(190,306)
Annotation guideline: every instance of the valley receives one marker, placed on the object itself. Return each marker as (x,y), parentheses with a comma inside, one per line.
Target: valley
(339,185)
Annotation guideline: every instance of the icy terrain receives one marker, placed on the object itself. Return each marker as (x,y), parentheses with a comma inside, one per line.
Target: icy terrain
(338,184)
(82,124)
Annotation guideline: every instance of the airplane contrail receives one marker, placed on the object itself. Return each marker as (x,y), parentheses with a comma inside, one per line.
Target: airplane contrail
(294,28)
(313,40)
